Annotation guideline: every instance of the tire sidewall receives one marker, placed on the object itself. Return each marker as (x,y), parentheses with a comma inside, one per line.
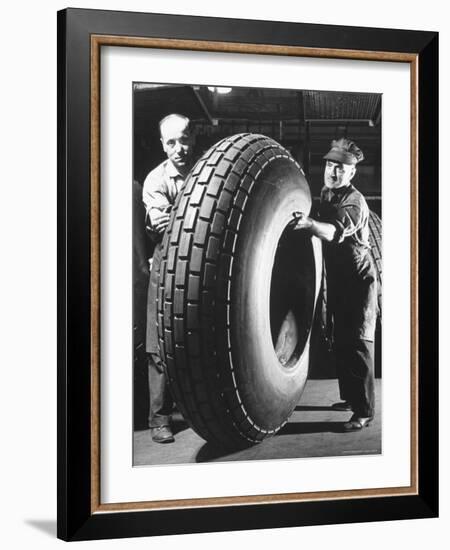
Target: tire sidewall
(271,390)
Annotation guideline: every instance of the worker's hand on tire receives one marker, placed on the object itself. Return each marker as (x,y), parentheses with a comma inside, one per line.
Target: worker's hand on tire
(301,221)
(160,220)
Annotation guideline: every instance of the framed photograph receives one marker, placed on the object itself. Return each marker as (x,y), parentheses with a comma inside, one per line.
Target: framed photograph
(247,255)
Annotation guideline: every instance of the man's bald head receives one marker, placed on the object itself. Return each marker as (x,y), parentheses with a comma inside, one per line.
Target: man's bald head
(173,121)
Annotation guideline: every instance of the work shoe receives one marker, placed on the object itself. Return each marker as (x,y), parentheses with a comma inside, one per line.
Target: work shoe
(162,434)
(342,406)
(357,423)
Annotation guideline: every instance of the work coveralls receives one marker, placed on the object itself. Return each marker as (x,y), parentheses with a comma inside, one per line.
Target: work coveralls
(159,192)
(351,295)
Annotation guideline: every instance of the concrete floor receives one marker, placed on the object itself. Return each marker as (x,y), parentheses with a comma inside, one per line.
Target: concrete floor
(313,430)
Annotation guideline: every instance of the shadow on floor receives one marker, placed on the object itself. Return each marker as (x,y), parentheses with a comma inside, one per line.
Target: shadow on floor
(178,425)
(313,408)
(209,452)
(293,428)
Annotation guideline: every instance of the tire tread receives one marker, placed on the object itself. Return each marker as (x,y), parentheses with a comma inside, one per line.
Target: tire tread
(198,248)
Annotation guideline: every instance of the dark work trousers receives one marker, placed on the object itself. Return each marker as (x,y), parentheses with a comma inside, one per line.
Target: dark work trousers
(352,287)
(161,403)
(355,370)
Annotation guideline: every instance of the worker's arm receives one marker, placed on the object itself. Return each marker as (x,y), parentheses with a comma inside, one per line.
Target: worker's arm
(157,205)
(322,230)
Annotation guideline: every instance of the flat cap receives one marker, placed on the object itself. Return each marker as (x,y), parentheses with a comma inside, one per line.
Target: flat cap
(345,151)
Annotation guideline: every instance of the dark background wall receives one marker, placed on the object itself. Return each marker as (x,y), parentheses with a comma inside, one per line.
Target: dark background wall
(303,121)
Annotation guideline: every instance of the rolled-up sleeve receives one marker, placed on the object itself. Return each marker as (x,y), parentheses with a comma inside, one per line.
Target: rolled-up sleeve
(348,211)
(347,220)
(154,195)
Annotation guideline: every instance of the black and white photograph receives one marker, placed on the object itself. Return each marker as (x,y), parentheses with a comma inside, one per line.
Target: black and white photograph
(224,290)
(257,273)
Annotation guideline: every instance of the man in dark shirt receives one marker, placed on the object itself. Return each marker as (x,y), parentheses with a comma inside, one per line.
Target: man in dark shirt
(342,225)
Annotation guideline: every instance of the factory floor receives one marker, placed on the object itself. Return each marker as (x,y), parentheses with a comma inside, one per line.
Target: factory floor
(313,430)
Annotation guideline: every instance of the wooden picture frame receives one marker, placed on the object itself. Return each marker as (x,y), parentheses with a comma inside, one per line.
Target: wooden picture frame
(81,35)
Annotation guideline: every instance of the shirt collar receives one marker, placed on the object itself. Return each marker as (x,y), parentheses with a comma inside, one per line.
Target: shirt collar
(341,191)
(172,170)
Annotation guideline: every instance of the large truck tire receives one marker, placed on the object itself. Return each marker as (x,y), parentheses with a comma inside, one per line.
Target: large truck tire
(237,291)
(375,240)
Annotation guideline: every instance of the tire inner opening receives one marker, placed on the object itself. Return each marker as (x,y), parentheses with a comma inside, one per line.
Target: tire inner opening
(292,293)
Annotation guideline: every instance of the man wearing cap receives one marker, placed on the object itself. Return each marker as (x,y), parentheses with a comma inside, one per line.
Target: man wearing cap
(159,192)
(342,225)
